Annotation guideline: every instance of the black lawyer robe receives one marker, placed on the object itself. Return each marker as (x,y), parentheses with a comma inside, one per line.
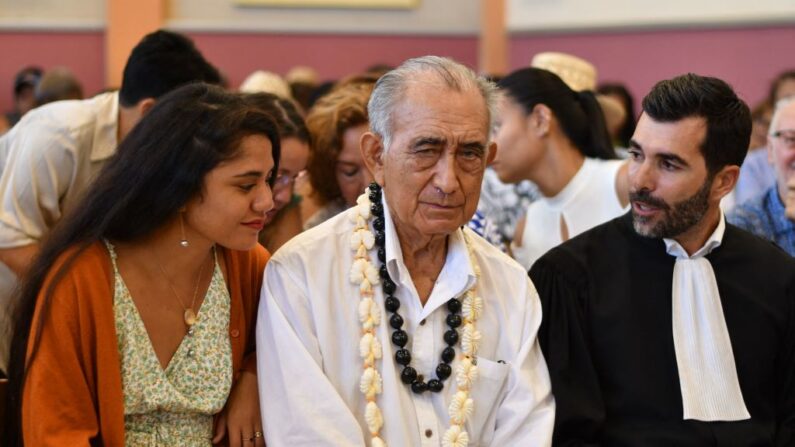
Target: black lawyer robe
(607,338)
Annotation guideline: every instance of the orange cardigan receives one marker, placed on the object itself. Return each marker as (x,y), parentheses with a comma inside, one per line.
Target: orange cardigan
(73,391)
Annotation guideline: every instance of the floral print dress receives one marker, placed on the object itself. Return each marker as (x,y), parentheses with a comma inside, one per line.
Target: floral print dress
(174,406)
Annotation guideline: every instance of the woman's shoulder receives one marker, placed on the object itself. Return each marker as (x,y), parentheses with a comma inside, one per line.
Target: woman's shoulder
(83,261)
(80,279)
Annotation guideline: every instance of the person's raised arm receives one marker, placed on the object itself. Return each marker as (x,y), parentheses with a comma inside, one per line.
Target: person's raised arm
(38,172)
(18,259)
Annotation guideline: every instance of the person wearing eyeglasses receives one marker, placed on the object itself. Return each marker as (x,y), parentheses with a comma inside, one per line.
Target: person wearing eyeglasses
(283,222)
(772,215)
(756,174)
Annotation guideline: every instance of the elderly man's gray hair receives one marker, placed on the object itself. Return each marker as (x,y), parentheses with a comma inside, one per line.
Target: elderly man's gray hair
(781,104)
(391,87)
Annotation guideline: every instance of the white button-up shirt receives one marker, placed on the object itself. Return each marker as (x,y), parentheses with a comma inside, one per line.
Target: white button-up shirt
(47,161)
(308,336)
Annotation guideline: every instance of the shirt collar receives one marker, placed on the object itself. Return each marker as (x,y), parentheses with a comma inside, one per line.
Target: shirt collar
(106,126)
(457,271)
(781,223)
(572,189)
(674,249)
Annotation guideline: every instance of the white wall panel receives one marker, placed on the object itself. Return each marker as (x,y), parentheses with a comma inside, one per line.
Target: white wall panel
(446,17)
(543,15)
(52,14)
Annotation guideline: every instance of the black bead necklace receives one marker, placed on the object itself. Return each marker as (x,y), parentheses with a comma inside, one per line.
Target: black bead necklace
(400,338)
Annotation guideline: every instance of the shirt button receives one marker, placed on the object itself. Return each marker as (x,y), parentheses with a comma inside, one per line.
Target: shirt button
(422,322)
(235,333)
(428,433)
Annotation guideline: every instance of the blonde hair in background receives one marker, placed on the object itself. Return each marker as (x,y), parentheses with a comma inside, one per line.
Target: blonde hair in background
(333,114)
(266,82)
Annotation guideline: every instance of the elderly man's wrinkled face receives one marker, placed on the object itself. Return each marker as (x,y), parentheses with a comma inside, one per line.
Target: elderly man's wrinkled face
(433,169)
(781,153)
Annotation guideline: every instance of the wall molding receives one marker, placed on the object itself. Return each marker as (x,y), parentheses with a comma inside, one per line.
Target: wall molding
(50,25)
(238,27)
(640,27)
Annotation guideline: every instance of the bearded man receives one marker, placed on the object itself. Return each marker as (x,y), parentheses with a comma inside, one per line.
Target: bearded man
(667,326)
(392,323)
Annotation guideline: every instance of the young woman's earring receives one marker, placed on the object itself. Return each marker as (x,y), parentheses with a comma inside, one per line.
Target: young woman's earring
(183,242)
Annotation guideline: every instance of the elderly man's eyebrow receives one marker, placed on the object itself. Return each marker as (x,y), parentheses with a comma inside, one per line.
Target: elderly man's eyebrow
(428,141)
(475,146)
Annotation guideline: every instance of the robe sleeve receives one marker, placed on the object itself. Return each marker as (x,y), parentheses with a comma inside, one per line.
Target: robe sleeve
(785,433)
(300,406)
(563,335)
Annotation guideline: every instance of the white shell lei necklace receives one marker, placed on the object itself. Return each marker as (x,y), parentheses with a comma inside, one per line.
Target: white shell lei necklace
(364,274)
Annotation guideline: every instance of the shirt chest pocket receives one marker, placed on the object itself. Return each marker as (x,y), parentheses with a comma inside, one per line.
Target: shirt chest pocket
(487,393)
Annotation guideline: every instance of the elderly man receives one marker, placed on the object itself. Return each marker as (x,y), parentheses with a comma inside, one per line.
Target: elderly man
(771,215)
(390,324)
(756,175)
(667,326)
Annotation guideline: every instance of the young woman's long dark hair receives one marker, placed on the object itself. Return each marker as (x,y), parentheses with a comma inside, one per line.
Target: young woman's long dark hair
(158,167)
(578,113)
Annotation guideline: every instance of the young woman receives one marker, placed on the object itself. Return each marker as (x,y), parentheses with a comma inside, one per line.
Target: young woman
(556,138)
(135,323)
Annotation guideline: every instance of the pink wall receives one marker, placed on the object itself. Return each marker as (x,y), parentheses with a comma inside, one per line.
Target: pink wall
(332,55)
(747,58)
(81,52)
(237,54)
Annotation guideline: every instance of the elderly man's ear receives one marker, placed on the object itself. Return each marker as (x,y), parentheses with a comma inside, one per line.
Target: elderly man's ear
(372,154)
(491,153)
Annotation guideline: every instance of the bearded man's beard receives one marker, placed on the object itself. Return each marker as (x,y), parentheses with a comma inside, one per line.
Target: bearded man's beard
(677,218)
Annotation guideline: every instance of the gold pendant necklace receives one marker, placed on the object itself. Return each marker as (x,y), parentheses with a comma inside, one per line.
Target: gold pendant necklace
(189,315)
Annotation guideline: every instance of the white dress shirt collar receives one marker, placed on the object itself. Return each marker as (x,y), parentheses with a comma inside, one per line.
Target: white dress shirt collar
(456,277)
(675,249)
